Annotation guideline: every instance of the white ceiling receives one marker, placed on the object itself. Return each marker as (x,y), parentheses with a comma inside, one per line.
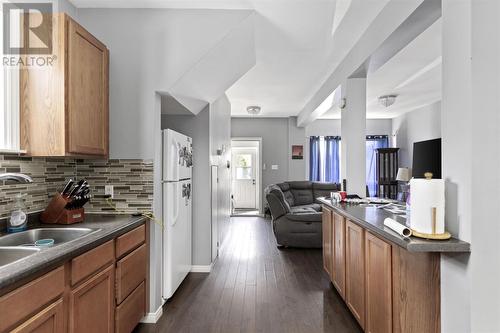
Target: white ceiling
(413,74)
(300,42)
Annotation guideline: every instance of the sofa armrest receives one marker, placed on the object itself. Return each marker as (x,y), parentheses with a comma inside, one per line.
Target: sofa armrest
(305,217)
(278,207)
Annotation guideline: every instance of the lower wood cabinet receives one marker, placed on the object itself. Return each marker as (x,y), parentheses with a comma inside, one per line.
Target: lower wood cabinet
(49,320)
(378,286)
(327,224)
(338,276)
(355,270)
(387,288)
(81,293)
(91,305)
(131,310)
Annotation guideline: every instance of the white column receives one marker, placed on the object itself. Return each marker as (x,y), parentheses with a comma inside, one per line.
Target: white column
(353,133)
(470,292)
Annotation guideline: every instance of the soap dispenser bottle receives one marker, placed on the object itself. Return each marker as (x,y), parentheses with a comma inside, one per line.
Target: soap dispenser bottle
(18,218)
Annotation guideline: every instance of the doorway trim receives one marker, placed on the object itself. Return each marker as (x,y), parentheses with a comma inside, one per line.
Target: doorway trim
(259,178)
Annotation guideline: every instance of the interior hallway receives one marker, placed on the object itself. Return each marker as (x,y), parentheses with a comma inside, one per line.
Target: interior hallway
(254,287)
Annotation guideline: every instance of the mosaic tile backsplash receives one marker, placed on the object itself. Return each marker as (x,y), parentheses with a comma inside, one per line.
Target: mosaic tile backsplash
(132,181)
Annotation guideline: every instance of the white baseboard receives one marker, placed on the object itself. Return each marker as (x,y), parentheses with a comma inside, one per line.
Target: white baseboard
(201,268)
(152,317)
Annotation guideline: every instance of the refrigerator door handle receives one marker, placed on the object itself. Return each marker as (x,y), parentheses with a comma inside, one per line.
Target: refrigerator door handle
(175,202)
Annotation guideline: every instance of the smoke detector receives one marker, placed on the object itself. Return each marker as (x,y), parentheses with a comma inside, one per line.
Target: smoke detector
(387,100)
(253,110)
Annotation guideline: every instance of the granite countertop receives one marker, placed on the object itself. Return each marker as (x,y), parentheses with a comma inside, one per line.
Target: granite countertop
(47,259)
(372,219)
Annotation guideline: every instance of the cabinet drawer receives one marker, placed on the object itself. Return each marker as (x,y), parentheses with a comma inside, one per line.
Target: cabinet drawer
(24,301)
(91,261)
(131,310)
(130,272)
(51,319)
(130,240)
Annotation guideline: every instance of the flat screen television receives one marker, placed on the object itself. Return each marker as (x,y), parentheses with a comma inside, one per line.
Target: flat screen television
(427,158)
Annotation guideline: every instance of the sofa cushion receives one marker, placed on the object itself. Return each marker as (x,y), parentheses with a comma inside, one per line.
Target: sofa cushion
(312,207)
(303,209)
(302,192)
(324,189)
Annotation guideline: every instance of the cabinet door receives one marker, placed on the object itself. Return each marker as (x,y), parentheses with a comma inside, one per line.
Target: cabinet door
(339,254)
(327,240)
(378,285)
(87,85)
(92,304)
(355,271)
(49,320)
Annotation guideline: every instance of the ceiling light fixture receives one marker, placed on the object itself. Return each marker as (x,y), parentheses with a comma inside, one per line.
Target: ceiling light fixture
(387,100)
(253,110)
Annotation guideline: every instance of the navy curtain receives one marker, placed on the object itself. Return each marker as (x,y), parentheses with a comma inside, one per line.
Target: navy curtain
(314,158)
(372,144)
(332,159)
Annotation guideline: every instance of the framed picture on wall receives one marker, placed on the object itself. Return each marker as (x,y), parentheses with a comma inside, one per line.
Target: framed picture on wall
(297,152)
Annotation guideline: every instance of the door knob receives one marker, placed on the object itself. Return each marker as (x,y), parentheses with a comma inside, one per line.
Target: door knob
(253,181)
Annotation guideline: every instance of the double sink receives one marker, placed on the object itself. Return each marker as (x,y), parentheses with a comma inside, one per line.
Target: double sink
(17,246)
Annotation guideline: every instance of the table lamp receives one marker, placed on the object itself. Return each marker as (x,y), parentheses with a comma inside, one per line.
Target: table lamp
(404,175)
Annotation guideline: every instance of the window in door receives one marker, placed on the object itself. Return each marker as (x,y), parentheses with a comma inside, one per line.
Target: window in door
(244,167)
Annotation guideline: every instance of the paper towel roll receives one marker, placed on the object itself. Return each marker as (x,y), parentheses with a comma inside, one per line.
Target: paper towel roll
(397,227)
(426,204)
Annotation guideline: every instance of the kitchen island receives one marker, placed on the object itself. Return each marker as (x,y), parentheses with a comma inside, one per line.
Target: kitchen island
(390,283)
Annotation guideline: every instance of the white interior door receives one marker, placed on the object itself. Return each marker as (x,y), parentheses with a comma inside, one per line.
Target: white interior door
(244,178)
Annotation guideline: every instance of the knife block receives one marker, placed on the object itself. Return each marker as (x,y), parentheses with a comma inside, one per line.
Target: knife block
(57,213)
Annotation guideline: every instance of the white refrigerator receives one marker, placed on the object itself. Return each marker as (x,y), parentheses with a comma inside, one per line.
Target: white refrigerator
(177,166)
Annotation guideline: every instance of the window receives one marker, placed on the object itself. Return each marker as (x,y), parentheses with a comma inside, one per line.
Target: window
(244,167)
(324,160)
(373,142)
(9,97)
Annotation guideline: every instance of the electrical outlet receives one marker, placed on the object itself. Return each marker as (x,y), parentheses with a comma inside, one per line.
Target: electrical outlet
(108,190)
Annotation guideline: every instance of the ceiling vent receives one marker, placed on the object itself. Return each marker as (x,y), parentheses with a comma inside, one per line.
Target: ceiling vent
(387,100)
(253,110)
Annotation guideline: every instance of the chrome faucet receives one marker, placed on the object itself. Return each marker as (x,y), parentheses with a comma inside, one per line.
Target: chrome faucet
(19,177)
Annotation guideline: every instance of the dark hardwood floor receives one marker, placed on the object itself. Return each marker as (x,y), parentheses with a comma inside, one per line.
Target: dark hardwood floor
(254,287)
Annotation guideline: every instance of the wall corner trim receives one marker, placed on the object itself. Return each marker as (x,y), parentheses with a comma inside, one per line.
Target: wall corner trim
(201,268)
(152,317)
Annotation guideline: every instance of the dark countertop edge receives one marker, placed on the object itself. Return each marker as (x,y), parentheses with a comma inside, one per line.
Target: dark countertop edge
(45,266)
(422,246)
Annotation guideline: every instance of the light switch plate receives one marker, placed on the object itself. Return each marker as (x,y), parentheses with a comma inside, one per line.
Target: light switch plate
(274,167)
(109,190)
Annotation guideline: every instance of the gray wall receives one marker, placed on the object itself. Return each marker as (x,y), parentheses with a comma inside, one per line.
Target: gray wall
(274,134)
(418,125)
(279,134)
(296,136)
(324,127)
(197,127)
(150,49)
(220,134)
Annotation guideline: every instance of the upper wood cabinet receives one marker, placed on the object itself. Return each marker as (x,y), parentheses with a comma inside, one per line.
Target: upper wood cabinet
(64,107)
(327,232)
(338,276)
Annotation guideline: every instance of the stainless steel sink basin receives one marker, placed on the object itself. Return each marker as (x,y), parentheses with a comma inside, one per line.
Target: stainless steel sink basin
(9,255)
(59,235)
